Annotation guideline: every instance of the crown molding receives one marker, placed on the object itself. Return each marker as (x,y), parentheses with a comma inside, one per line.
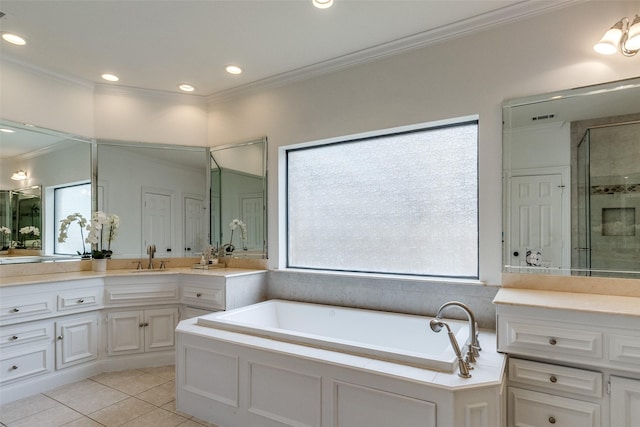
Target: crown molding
(522,10)
(65,78)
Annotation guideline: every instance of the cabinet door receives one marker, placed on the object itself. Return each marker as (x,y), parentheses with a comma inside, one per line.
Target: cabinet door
(160,325)
(625,402)
(76,341)
(125,332)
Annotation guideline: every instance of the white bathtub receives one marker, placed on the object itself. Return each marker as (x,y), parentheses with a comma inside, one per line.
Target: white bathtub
(399,338)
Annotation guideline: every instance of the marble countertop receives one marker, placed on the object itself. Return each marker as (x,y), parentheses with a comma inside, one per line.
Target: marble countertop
(88,274)
(572,301)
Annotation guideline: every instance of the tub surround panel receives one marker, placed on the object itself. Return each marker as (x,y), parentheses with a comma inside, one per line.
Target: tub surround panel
(411,296)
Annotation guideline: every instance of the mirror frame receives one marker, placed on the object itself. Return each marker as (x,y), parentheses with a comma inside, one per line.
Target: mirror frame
(580,95)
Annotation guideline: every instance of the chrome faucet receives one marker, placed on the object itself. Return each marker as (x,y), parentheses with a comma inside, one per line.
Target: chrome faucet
(473,344)
(151,250)
(463,365)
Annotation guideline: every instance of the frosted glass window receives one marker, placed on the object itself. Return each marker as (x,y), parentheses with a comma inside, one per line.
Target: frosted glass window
(67,201)
(404,203)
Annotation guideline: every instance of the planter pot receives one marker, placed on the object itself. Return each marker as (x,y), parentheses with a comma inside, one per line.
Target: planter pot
(99,265)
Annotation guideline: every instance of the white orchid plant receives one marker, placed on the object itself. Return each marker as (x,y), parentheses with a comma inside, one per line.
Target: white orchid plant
(64,230)
(102,228)
(237,223)
(29,231)
(4,232)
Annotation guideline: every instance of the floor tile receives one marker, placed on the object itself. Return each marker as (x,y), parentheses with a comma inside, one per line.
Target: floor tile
(199,422)
(83,422)
(160,395)
(122,412)
(86,396)
(52,417)
(108,378)
(166,371)
(25,407)
(138,384)
(157,418)
(171,406)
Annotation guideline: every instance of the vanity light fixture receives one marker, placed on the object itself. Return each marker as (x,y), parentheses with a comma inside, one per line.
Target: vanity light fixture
(13,39)
(19,175)
(110,77)
(623,36)
(322,4)
(233,69)
(185,87)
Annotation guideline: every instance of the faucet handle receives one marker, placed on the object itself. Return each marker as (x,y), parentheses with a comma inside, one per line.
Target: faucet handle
(163,265)
(139,264)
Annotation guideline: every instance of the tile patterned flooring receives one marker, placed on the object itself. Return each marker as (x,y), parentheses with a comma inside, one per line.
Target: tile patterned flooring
(132,398)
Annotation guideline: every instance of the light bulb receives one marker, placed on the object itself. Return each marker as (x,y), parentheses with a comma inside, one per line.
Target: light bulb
(633,41)
(608,44)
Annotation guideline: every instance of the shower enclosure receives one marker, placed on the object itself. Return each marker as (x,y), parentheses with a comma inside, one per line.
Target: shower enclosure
(608,195)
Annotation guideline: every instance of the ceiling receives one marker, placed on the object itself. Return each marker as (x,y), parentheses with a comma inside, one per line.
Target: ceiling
(158,44)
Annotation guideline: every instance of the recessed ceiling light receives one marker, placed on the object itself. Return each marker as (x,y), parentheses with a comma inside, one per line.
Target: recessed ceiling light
(234,69)
(14,39)
(110,77)
(5,130)
(185,87)
(322,4)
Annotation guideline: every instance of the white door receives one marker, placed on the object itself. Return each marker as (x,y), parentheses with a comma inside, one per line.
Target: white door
(125,332)
(76,341)
(157,221)
(160,325)
(252,213)
(194,226)
(536,221)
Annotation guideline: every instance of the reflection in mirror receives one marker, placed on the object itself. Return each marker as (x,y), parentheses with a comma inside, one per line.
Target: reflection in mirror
(159,193)
(51,160)
(572,182)
(239,192)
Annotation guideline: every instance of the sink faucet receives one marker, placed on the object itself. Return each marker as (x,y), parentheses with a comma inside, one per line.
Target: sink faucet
(151,250)
(473,345)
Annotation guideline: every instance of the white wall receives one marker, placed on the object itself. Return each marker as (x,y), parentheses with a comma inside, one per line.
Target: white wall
(469,75)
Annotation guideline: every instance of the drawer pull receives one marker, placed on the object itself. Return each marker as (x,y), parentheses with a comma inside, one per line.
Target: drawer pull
(198,295)
(141,325)
(552,420)
(14,367)
(553,379)
(59,337)
(553,341)
(15,310)
(81,300)
(15,337)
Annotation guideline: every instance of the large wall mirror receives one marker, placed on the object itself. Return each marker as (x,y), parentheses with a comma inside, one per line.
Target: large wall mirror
(571,163)
(39,166)
(239,198)
(160,194)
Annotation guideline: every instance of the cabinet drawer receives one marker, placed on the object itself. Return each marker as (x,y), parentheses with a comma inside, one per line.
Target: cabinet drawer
(14,335)
(551,339)
(79,299)
(212,297)
(144,294)
(556,378)
(28,362)
(530,408)
(624,350)
(26,307)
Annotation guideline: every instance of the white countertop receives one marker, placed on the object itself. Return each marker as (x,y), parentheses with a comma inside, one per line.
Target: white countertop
(572,301)
(87,274)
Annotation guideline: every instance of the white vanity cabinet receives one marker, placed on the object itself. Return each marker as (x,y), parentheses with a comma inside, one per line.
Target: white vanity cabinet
(224,292)
(76,340)
(572,362)
(140,331)
(141,313)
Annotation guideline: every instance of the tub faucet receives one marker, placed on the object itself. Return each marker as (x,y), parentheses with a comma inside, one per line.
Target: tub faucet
(473,344)
(463,365)
(151,250)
